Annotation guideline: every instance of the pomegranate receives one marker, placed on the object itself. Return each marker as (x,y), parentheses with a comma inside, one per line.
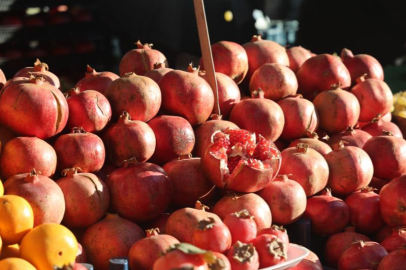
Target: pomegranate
(350,169)
(129,138)
(138,95)
(182,222)
(212,235)
(382,233)
(228,92)
(286,198)
(257,114)
(43,194)
(98,81)
(261,51)
(377,127)
(337,110)
(300,117)
(297,56)
(307,167)
(188,180)
(221,262)
(80,149)
(314,143)
(319,73)
(111,237)
(86,198)
(180,88)
(21,154)
(338,243)
(395,260)
(174,138)
(243,256)
(276,80)
(361,64)
(204,132)
(158,222)
(387,155)
(39,69)
(146,251)
(234,155)
(351,137)
(271,250)
(141,59)
(374,96)
(378,183)
(6,135)
(393,202)
(278,231)
(229,58)
(33,108)
(397,240)
(158,72)
(88,109)
(242,226)
(139,191)
(362,255)
(329,215)
(251,202)
(387,117)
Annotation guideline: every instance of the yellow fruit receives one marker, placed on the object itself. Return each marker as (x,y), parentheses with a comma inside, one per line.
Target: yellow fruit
(15,264)
(16,218)
(1,188)
(49,245)
(10,251)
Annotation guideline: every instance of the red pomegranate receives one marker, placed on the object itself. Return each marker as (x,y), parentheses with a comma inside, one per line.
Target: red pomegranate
(146,251)
(338,243)
(365,210)
(158,72)
(387,155)
(235,155)
(278,231)
(286,198)
(397,240)
(243,256)
(228,92)
(33,108)
(242,226)
(6,135)
(314,143)
(86,198)
(374,96)
(307,167)
(350,137)
(337,110)
(39,69)
(127,139)
(378,127)
(297,56)
(98,81)
(271,250)
(188,180)
(328,214)
(260,115)
(393,202)
(141,59)
(251,202)
(300,117)
(350,169)
(138,95)
(186,94)
(182,222)
(88,109)
(43,194)
(378,183)
(221,262)
(139,191)
(21,154)
(361,64)
(276,80)
(80,149)
(394,260)
(382,233)
(319,73)
(261,51)
(210,234)
(204,132)
(362,255)
(229,58)
(112,237)
(174,137)
(157,223)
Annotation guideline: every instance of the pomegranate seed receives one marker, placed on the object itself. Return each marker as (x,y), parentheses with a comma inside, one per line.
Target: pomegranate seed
(255,163)
(233,162)
(239,136)
(264,150)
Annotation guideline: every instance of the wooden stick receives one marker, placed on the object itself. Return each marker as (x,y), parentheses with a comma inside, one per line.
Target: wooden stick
(206,51)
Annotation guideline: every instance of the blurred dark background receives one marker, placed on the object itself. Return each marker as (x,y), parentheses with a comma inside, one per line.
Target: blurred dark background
(68,35)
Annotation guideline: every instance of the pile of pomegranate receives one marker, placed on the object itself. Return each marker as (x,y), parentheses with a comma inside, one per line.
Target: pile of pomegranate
(155,166)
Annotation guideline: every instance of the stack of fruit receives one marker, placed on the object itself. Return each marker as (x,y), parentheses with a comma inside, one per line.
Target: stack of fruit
(313,141)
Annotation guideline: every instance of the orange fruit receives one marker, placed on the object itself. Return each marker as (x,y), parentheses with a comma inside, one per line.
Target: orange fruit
(1,188)
(10,251)
(15,264)
(49,245)
(16,218)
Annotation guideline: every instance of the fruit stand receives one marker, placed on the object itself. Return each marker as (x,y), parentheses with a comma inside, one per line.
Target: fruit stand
(257,157)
